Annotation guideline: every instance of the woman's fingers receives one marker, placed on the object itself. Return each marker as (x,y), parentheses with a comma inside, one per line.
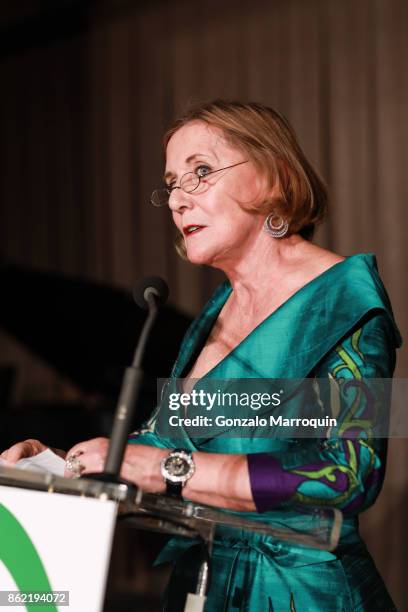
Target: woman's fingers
(86,457)
(141,463)
(21,450)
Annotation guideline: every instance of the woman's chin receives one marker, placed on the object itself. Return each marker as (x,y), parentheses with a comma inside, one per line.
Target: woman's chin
(198,256)
(197,260)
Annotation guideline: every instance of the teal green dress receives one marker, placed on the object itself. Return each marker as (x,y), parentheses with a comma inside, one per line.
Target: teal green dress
(339,325)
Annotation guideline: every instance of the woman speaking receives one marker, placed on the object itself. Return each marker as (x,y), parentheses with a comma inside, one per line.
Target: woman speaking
(245,200)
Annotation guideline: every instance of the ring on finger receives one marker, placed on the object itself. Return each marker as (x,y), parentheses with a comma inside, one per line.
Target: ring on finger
(73,464)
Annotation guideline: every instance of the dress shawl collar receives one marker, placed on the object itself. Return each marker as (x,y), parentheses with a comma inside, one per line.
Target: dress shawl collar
(291,341)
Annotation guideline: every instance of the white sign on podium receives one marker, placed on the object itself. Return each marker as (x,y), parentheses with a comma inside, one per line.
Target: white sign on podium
(54,543)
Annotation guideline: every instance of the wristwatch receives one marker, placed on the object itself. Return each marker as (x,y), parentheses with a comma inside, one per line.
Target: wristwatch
(176,469)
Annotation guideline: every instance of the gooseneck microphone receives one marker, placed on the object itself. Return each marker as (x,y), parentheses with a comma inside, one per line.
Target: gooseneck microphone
(150,293)
(150,286)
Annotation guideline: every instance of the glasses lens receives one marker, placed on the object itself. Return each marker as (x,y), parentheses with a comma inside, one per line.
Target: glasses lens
(189,182)
(160,197)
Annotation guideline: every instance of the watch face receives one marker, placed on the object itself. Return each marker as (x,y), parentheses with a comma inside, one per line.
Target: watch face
(177,466)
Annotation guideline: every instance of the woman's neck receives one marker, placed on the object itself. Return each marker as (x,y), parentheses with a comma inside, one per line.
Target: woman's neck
(274,264)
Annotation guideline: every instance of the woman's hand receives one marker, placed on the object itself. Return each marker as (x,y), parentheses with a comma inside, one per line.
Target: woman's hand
(219,480)
(141,464)
(21,450)
(86,457)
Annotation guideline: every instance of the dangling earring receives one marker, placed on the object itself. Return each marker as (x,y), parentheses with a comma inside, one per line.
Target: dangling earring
(276,226)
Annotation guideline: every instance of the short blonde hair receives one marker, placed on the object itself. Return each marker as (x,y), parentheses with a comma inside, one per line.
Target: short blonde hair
(265,137)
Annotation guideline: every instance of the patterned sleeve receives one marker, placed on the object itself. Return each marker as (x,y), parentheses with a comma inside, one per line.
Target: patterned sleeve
(340,472)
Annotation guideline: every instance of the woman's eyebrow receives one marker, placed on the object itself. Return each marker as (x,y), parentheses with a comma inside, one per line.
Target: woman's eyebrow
(189,159)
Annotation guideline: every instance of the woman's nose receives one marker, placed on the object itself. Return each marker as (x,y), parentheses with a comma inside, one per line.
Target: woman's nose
(179,199)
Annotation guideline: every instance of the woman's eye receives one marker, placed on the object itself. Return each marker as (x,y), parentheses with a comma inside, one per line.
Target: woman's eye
(202,170)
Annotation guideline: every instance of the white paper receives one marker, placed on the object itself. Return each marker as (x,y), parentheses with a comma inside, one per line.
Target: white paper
(47,461)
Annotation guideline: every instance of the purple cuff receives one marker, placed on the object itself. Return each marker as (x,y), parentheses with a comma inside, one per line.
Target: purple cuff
(270,484)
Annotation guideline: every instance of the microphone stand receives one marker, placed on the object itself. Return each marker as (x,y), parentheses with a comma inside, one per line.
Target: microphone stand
(125,410)
(127,402)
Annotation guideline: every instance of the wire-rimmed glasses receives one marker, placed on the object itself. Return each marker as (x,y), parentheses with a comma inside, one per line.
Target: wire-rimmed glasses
(189,182)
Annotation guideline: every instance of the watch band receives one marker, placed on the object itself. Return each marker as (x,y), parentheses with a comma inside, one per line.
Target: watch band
(173,489)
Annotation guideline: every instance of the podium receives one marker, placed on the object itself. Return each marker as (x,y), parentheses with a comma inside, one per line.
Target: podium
(56,536)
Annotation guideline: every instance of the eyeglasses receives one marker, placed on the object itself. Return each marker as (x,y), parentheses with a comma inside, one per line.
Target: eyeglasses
(189,182)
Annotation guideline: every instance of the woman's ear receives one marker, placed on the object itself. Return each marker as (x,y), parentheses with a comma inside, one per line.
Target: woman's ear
(277,193)
(276,198)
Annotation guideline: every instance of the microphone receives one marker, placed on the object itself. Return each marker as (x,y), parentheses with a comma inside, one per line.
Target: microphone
(150,293)
(150,286)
